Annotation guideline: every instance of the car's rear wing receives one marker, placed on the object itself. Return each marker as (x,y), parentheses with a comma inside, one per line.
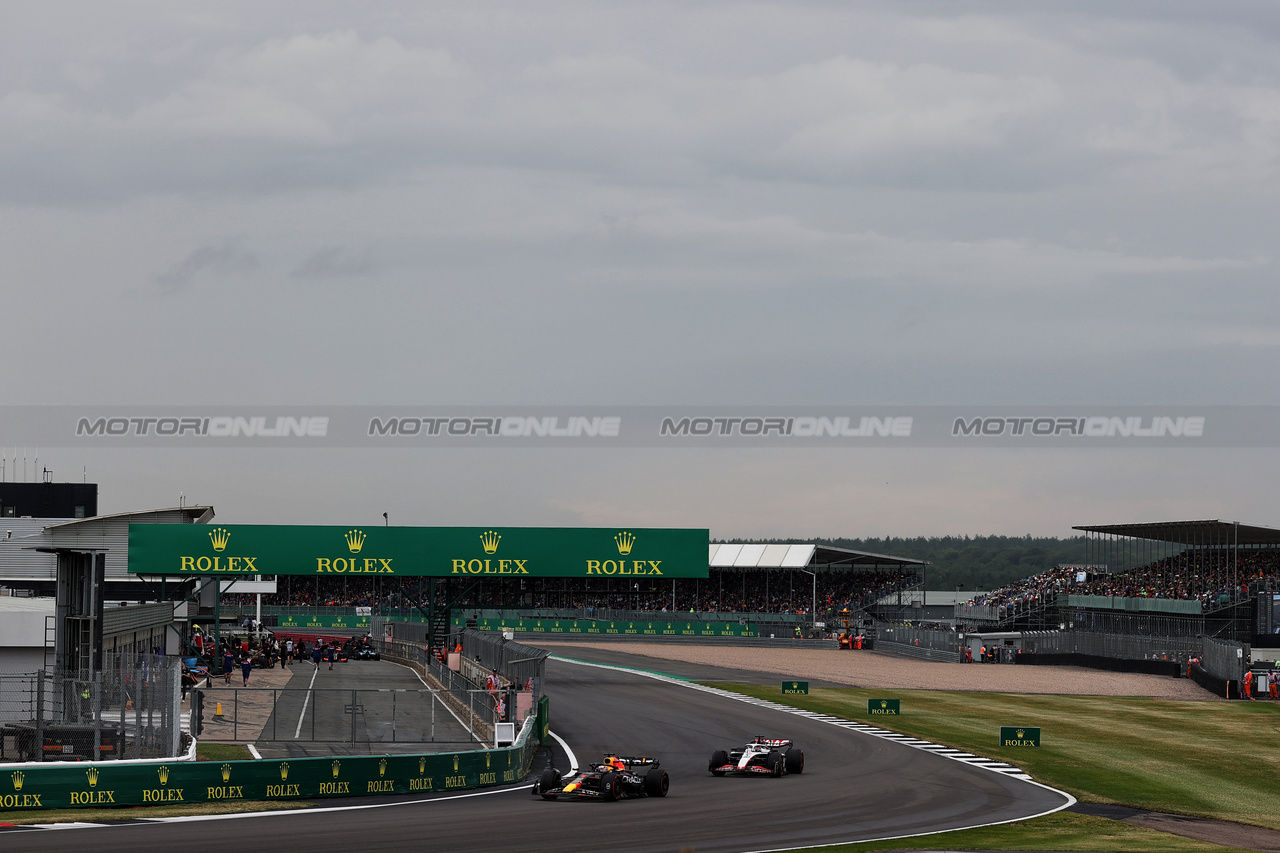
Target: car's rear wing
(634,760)
(764,741)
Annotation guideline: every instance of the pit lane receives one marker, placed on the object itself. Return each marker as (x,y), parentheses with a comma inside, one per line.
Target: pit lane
(854,788)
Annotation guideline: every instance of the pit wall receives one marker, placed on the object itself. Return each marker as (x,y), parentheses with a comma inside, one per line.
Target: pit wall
(73,785)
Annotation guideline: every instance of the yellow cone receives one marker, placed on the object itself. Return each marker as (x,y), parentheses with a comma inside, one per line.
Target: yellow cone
(217,712)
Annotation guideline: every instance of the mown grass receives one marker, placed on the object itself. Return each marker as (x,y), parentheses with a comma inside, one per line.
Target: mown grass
(131,812)
(1063,831)
(221,752)
(1206,759)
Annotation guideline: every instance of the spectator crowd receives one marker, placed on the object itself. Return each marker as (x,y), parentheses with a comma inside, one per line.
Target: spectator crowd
(736,591)
(1210,576)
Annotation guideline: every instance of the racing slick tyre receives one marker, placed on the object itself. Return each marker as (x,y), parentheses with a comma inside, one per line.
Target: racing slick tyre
(611,786)
(719,758)
(549,781)
(795,761)
(778,763)
(656,782)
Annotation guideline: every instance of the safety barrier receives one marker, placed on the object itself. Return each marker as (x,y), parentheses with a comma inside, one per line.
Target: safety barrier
(608,627)
(35,786)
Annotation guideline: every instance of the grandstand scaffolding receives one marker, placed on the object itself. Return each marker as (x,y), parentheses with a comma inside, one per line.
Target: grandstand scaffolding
(1216,564)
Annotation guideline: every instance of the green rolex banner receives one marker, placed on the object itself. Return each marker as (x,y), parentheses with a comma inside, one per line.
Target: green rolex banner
(1019,736)
(64,785)
(606,626)
(794,687)
(294,621)
(884,707)
(474,552)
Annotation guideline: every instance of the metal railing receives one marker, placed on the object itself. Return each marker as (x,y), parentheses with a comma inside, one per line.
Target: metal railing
(336,715)
(1224,659)
(1118,646)
(919,642)
(129,709)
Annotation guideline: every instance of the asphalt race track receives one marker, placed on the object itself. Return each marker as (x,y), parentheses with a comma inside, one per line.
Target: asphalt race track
(854,787)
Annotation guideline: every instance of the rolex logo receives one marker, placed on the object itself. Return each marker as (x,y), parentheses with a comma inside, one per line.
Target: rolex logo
(337,765)
(490,539)
(219,536)
(455,764)
(422,765)
(1021,733)
(624,541)
(486,761)
(382,767)
(885,704)
(355,541)
(92,774)
(18,779)
(795,685)
(284,770)
(163,773)
(226,773)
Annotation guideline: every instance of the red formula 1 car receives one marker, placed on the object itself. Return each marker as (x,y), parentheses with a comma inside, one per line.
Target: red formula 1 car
(760,757)
(617,777)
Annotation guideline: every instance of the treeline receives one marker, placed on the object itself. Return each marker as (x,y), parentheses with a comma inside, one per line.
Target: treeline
(972,562)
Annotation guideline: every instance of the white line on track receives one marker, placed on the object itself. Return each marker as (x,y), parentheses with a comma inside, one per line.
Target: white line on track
(298,731)
(893,737)
(573,759)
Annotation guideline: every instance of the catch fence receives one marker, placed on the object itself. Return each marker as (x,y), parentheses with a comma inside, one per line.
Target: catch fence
(355,717)
(131,708)
(1117,646)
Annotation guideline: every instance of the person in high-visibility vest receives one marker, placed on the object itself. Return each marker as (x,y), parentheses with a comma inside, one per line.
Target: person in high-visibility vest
(1248,684)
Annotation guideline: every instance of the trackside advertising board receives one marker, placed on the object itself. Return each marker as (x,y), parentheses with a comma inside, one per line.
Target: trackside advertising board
(155,783)
(466,552)
(607,626)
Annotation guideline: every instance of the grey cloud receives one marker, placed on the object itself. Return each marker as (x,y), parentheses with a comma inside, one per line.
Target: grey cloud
(336,262)
(226,259)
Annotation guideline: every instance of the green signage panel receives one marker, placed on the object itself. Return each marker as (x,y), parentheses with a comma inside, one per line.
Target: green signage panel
(606,626)
(296,621)
(794,687)
(468,552)
(155,783)
(1019,736)
(884,707)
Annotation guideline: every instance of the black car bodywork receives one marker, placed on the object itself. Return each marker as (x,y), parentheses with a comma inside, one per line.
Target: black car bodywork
(618,777)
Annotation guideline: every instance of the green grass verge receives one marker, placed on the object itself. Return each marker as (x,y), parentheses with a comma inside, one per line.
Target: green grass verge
(221,752)
(1063,831)
(132,812)
(1207,759)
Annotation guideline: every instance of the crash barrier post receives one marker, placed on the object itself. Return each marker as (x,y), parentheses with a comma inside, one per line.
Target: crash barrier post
(131,708)
(36,786)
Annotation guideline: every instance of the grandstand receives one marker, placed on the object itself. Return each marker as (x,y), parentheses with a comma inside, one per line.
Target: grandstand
(1177,579)
(810,581)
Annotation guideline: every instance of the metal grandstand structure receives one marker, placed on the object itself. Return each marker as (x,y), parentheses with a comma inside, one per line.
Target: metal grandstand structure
(1174,578)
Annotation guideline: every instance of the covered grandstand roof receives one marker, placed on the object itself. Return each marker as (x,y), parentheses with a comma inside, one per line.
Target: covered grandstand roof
(757,556)
(1206,532)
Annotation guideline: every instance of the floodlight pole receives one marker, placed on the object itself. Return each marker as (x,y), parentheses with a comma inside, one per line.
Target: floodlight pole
(813,612)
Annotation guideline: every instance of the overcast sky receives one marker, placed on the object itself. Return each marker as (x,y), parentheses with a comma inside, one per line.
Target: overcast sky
(650,203)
